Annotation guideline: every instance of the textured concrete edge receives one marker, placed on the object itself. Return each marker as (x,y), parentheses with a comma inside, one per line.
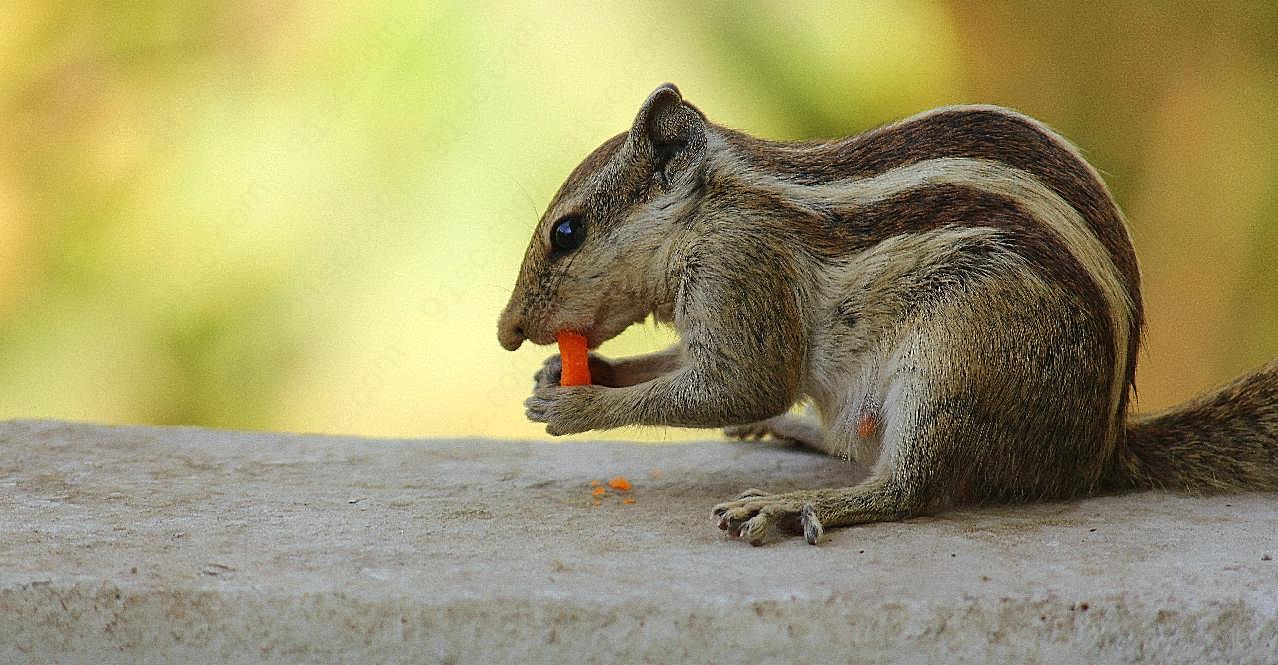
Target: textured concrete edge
(87,621)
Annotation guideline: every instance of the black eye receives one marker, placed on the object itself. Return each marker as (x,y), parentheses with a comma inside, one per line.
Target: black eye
(568,234)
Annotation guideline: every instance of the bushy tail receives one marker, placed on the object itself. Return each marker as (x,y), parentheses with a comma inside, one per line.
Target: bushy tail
(1222,441)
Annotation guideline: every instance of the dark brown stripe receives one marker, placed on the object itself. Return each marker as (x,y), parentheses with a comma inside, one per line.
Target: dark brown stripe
(971,133)
(833,233)
(938,206)
(836,233)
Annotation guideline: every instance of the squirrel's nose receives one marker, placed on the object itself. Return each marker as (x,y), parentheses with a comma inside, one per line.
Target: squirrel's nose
(510,331)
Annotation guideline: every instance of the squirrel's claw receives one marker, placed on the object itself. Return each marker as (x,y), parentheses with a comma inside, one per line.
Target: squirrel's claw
(812,528)
(754,513)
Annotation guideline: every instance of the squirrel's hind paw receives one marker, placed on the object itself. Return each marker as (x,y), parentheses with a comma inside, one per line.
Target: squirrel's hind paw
(747,432)
(802,430)
(753,514)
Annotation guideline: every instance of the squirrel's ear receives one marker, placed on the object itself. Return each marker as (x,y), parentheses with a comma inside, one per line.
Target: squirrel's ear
(670,133)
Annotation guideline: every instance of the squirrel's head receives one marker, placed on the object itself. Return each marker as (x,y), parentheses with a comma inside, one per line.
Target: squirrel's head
(594,261)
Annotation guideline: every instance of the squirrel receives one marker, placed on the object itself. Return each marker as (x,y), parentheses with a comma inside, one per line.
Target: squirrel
(955,297)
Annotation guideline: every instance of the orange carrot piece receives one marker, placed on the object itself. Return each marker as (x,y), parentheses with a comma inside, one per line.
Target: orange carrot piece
(575,358)
(619,483)
(598,491)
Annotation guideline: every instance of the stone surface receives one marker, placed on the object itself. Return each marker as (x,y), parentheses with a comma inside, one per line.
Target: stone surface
(131,545)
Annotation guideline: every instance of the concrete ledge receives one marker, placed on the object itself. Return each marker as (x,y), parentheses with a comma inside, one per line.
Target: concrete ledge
(135,544)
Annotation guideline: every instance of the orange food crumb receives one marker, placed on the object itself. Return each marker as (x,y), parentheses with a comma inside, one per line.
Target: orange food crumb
(596,483)
(629,499)
(598,491)
(619,483)
(575,359)
(867,425)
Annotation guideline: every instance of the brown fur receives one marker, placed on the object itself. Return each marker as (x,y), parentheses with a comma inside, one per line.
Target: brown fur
(961,280)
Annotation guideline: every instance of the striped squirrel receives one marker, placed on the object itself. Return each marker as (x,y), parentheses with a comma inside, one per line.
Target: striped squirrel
(955,295)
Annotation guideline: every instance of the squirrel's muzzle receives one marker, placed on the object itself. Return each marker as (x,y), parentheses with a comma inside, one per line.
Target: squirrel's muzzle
(510,330)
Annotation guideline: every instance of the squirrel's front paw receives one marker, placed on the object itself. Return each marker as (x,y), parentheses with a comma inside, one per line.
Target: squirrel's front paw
(549,373)
(552,369)
(564,409)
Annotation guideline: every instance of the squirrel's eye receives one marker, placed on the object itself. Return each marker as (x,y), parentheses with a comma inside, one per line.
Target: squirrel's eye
(568,234)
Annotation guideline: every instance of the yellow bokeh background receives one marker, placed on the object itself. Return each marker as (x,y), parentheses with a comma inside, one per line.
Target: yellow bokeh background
(307,216)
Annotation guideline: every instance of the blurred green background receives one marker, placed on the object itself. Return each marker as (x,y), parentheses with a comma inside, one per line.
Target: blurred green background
(306,217)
